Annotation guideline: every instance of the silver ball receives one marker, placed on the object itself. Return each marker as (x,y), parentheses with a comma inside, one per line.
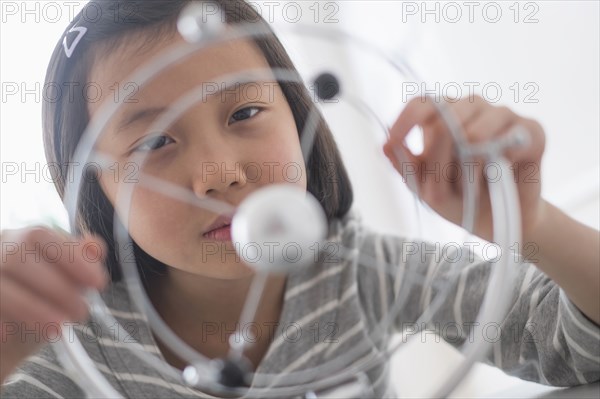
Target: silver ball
(279,228)
(191,376)
(200,20)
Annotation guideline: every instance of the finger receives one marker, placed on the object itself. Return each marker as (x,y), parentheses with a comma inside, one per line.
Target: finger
(464,112)
(405,163)
(437,155)
(489,124)
(21,305)
(80,260)
(418,111)
(48,283)
(88,268)
(423,111)
(398,154)
(533,145)
(440,144)
(467,109)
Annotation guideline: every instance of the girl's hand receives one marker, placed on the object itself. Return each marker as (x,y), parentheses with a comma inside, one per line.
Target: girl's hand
(42,277)
(438,173)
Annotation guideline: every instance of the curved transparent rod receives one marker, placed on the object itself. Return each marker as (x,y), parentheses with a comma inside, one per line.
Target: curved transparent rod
(149,71)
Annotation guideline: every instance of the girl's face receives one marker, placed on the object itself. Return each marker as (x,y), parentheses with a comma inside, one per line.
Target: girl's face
(224,147)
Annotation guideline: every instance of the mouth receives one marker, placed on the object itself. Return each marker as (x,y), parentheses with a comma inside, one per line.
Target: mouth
(220,229)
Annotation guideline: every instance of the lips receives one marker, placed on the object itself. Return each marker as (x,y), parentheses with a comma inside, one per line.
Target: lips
(220,229)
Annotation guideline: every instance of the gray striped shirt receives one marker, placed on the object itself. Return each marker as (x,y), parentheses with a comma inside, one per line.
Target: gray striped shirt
(342,312)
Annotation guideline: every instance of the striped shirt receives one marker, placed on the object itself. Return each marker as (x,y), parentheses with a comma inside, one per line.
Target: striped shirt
(341,313)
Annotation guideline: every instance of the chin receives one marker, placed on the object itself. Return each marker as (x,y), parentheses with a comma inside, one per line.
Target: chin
(224,271)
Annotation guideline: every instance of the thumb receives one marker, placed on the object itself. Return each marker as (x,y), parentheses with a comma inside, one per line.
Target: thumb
(95,250)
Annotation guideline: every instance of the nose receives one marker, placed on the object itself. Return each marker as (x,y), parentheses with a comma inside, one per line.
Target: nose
(220,175)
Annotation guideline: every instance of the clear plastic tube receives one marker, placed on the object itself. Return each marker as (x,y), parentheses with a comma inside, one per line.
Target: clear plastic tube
(144,75)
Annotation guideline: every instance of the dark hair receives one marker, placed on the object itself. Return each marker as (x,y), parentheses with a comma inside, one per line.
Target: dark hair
(65,119)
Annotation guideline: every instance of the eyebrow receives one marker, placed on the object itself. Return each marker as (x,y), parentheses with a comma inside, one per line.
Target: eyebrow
(153,112)
(140,115)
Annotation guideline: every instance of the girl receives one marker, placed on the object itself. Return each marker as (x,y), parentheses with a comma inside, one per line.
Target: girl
(333,305)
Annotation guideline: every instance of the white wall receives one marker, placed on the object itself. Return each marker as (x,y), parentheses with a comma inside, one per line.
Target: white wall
(29,32)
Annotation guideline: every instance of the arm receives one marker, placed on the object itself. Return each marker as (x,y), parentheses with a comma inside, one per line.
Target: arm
(569,253)
(543,337)
(38,291)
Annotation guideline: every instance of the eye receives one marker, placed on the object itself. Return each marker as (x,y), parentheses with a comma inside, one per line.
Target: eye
(243,114)
(154,143)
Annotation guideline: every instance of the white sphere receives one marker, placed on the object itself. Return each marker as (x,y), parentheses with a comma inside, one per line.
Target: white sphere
(279,228)
(200,20)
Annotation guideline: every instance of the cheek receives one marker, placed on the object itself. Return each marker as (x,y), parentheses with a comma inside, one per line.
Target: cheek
(280,155)
(150,218)
(280,162)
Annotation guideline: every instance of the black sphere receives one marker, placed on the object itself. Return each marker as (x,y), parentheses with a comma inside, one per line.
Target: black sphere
(233,373)
(91,173)
(327,86)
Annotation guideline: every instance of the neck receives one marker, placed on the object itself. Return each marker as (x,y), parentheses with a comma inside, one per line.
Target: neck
(205,311)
